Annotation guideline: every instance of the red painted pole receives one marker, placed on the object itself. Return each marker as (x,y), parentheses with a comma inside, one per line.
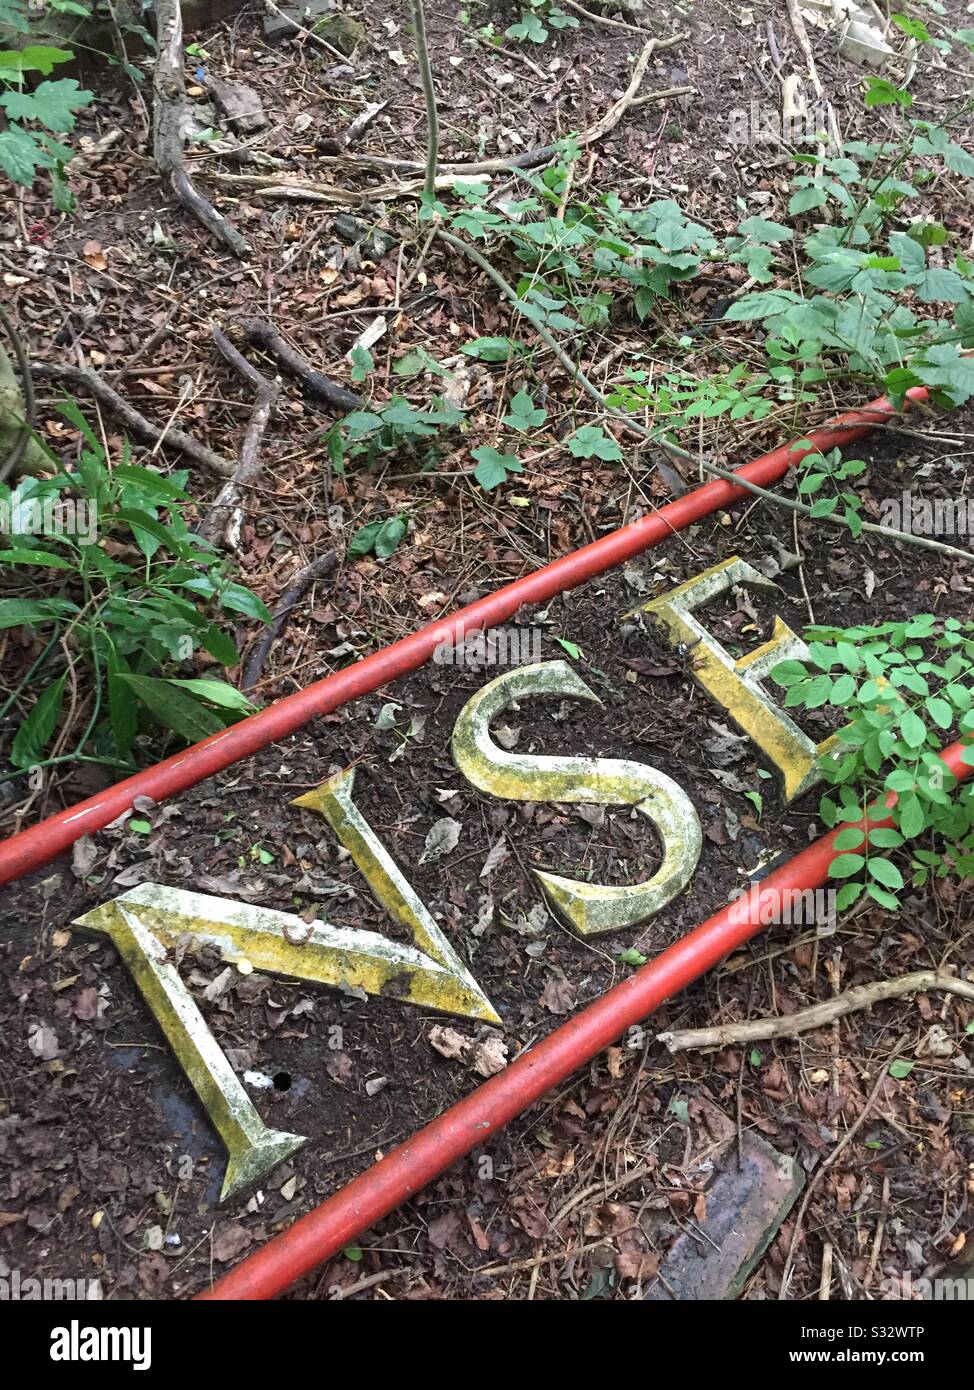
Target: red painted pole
(30,849)
(321,1233)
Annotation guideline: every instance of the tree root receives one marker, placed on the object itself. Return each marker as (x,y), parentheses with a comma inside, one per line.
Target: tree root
(818,1015)
(169,122)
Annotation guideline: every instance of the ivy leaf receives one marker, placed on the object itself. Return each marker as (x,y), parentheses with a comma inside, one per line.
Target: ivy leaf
(53,104)
(523,414)
(493,467)
(591,441)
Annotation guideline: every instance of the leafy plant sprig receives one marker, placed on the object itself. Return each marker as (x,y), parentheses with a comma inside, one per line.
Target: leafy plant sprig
(903,689)
(139,596)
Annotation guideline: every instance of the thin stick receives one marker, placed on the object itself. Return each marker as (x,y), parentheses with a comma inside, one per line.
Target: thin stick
(429,94)
(249,467)
(308,34)
(302,583)
(130,417)
(168,120)
(818,1015)
(603,18)
(825,1283)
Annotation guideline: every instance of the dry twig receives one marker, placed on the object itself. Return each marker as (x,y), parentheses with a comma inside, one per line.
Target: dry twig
(302,583)
(133,421)
(818,1015)
(249,467)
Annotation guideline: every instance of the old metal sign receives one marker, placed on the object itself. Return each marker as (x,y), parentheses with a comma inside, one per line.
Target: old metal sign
(153,925)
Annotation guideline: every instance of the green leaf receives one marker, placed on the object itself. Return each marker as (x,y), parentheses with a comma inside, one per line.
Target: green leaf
(591,441)
(847,895)
(901,1068)
(217,692)
(940,712)
(851,838)
(493,467)
(523,415)
(174,710)
(884,871)
(632,957)
(45,558)
(18,612)
(235,598)
(845,865)
(21,156)
(33,735)
(574,652)
(379,538)
(814,196)
(491,349)
(761,230)
(34,58)
(122,710)
(52,104)
(913,729)
(140,827)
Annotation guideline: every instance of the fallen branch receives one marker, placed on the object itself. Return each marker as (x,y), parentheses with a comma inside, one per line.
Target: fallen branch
(249,467)
(307,34)
(169,127)
(136,423)
(265,335)
(818,1015)
(603,18)
(302,583)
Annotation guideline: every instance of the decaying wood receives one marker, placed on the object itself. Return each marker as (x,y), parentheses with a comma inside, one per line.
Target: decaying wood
(249,466)
(265,335)
(302,583)
(136,423)
(819,1015)
(169,127)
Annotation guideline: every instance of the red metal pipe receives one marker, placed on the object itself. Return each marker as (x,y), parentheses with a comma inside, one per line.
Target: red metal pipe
(30,849)
(321,1233)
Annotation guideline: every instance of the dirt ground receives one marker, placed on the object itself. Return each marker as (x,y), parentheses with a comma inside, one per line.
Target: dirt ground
(582,1196)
